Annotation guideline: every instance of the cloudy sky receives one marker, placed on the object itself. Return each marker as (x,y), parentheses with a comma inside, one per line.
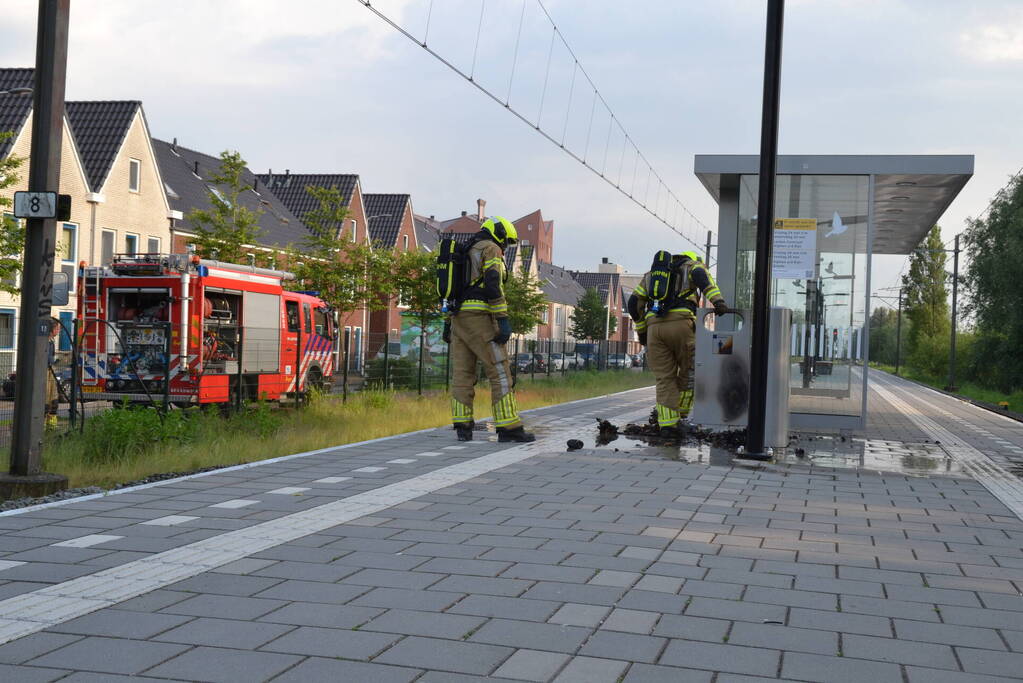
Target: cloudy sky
(326,86)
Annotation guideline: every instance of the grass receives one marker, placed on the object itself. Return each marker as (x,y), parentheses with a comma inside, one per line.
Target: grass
(967,389)
(120,446)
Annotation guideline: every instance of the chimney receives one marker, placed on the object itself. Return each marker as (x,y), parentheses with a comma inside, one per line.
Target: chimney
(196,170)
(174,145)
(433,217)
(604,260)
(481,204)
(464,213)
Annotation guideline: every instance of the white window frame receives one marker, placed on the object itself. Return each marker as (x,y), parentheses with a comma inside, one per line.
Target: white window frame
(135,164)
(404,242)
(131,235)
(355,231)
(71,259)
(545,317)
(159,244)
(113,244)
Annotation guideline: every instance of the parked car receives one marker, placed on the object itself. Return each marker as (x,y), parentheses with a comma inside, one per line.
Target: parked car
(617,360)
(558,362)
(637,360)
(530,362)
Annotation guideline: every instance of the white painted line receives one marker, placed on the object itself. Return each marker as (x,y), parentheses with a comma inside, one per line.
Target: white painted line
(87,541)
(169,520)
(40,609)
(428,454)
(402,461)
(8,564)
(289,490)
(331,480)
(234,504)
(454,448)
(370,469)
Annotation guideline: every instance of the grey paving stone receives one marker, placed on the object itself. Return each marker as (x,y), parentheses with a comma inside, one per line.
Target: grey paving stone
(840,621)
(321,669)
(572,614)
(316,614)
(313,591)
(793,598)
(748,578)
(807,667)
(219,665)
(692,628)
(531,665)
(625,646)
(1008,664)
(630,621)
(712,589)
(385,578)
(35,645)
(121,624)
(223,606)
(542,572)
(717,657)
(401,598)
(89,677)
(482,584)
(446,655)
(109,655)
(734,610)
(373,560)
(464,566)
(571,592)
(889,608)
(661,584)
(246,565)
(224,584)
(153,601)
(915,674)
(242,635)
(949,634)
(899,651)
(844,586)
(24,674)
(591,670)
(331,642)
(531,635)
(649,673)
(432,624)
(781,637)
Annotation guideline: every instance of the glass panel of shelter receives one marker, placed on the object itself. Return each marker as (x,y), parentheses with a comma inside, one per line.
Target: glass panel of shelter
(828,305)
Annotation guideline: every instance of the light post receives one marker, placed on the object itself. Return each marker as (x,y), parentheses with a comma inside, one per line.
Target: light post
(607,321)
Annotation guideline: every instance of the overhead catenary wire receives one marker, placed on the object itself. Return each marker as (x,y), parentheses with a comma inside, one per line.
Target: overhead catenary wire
(671,198)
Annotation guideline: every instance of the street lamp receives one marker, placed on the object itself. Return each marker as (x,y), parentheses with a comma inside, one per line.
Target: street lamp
(607,321)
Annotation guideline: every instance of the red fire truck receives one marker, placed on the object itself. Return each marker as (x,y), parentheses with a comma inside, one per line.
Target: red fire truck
(217,331)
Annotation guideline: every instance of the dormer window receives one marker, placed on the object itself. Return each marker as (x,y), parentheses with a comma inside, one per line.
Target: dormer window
(134,174)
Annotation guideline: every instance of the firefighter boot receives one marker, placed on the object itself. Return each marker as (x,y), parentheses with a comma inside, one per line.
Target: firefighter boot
(516,434)
(464,430)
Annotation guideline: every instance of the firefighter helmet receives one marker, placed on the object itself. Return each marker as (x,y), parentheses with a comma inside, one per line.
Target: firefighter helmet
(502,230)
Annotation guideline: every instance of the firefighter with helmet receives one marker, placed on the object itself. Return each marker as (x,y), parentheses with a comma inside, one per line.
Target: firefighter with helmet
(663,307)
(479,330)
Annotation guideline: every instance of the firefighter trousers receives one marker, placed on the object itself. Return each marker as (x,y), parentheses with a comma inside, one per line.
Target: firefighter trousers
(671,343)
(472,334)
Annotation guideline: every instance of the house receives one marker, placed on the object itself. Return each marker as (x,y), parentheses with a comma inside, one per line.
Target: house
(391,226)
(609,288)
(427,232)
(563,293)
(534,231)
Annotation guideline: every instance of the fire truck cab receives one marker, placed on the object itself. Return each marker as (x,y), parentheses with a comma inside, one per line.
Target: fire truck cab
(188,330)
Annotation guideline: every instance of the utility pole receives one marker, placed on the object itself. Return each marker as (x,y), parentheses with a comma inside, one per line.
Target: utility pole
(765,229)
(26,476)
(710,238)
(955,301)
(898,335)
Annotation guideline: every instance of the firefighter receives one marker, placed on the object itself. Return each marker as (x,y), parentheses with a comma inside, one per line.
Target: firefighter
(479,331)
(667,328)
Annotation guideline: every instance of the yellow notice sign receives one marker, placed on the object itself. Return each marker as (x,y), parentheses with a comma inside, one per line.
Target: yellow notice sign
(794,248)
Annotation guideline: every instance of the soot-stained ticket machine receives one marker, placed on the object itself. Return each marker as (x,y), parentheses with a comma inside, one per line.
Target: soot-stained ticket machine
(722,372)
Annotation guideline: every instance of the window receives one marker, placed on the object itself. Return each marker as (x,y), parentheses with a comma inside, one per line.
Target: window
(404,242)
(153,245)
(291,308)
(217,193)
(544,316)
(308,318)
(7,328)
(134,173)
(131,244)
(354,230)
(559,316)
(67,327)
(68,249)
(320,318)
(106,247)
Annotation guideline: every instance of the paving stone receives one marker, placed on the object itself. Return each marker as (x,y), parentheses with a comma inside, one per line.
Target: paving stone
(408,599)
(1008,664)
(591,670)
(483,585)
(712,589)
(89,677)
(219,665)
(949,634)
(572,614)
(331,642)
(807,667)
(117,623)
(630,621)
(446,655)
(531,665)
(614,578)
(840,621)
(531,635)
(734,610)
(718,657)
(661,584)
(899,651)
(245,565)
(584,594)
(889,608)
(313,591)
(224,584)
(321,669)
(433,624)
(224,633)
(109,655)
(626,646)
(228,607)
(35,645)
(781,637)
(692,628)
(24,674)
(649,673)
(915,674)
(794,598)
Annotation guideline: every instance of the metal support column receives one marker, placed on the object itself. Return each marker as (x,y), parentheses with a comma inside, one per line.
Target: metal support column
(765,229)
(898,335)
(26,476)
(955,300)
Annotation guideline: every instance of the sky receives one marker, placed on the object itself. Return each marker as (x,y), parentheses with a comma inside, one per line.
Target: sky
(327,86)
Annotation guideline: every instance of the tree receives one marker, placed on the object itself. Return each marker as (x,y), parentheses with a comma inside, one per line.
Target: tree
(995,289)
(926,304)
(227,229)
(12,232)
(884,323)
(526,301)
(348,275)
(590,318)
(414,277)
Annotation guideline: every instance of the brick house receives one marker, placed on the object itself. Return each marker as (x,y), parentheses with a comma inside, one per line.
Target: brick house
(563,292)
(608,286)
(534,231)
(391,226)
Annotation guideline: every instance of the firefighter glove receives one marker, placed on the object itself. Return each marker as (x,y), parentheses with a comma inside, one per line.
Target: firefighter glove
(642,338)
(504,331)
(446,334)
(720,307)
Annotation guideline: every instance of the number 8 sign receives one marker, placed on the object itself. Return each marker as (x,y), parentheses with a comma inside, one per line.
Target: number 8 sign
(35,204)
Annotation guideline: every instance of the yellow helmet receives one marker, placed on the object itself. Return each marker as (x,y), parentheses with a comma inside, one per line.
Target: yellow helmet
(502,230)
(691,255)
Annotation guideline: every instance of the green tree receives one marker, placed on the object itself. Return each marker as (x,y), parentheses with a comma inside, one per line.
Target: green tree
(349,275)
(526,301)
(227,229)
(414,277)
(590,318)
(884,324)
(12,232)
(926,304)
(994,288)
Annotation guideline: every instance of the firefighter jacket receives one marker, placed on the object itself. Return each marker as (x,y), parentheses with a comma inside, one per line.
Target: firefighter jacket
(682,303)
(485,292)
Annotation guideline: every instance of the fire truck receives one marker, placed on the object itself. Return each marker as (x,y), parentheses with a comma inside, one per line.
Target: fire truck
(186,330)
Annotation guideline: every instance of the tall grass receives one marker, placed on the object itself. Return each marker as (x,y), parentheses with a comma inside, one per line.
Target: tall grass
(967,389)
(127,445)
